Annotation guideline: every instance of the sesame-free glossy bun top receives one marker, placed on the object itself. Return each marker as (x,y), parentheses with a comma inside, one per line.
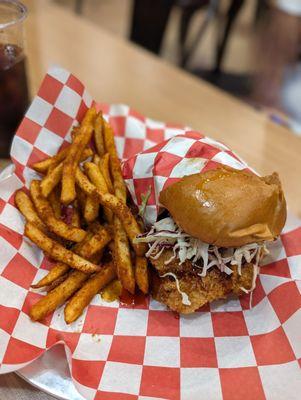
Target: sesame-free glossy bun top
(227,207)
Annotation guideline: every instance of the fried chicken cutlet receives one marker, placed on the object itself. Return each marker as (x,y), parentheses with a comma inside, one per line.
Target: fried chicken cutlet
(200,290)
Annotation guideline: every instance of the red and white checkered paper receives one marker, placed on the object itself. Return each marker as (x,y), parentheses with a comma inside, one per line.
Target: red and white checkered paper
(116,352)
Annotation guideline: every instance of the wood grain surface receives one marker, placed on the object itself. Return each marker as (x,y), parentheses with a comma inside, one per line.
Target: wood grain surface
(12,387)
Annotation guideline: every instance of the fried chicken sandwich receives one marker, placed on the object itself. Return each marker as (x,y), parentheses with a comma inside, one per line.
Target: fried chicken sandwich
(211,236)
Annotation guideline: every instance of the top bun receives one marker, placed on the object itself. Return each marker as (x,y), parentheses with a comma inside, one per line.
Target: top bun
(227,207)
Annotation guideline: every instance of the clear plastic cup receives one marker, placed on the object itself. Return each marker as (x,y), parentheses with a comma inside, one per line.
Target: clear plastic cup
(14,97)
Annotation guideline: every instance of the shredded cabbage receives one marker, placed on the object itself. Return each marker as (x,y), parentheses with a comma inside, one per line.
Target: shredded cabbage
(165,234)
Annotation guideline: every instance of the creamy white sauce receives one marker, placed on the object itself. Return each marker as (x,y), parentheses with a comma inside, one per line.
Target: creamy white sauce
(185,298)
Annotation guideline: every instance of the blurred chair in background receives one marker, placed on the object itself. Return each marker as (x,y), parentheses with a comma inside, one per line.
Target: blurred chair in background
(278,80)
(149,20)
(78,6)
(188,11)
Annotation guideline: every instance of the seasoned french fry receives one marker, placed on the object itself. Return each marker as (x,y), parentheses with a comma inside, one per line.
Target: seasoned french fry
(49,182)
(122,254)
(51,162)
(121,248)
(112,291)
(96,159)
(83,183)
(85,294)
(26,207)
(54,176)
(89,248)
(128,221)
(75,218)
(104,165)
(91,208)
(57,251)
(43,166)
(92,204)
(46,213)
(56,272)
(122,257)
(97,178)
(108,137)
(118,182)
(81,198)
(60,269)
(118,207)
(56,282)
(54,199)
(99,239)
(75,131)
(98,134)
(57,296)
(72,159)
(86,154)
(141,274)
(78,246)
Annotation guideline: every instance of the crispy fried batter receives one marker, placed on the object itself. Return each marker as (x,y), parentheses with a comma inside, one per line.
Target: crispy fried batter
(215,285)
(172,266)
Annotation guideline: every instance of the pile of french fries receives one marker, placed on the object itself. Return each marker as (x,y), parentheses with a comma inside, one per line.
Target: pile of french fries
(93,241)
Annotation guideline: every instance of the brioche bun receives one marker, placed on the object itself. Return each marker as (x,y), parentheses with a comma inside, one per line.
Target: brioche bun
(227,207)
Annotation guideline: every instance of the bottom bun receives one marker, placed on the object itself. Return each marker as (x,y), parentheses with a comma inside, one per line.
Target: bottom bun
(199,290)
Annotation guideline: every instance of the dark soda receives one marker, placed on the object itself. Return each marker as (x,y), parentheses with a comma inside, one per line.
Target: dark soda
(14,97)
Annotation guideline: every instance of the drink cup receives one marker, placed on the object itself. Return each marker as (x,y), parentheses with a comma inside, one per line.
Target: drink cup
(14,98)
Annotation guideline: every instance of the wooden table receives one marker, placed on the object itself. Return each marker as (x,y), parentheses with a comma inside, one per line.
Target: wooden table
(115,71)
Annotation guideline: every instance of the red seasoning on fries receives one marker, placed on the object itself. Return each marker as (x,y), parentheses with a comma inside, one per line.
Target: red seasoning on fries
(72,159)
(57,251)
(85,294)
(96,243)
(46,213)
